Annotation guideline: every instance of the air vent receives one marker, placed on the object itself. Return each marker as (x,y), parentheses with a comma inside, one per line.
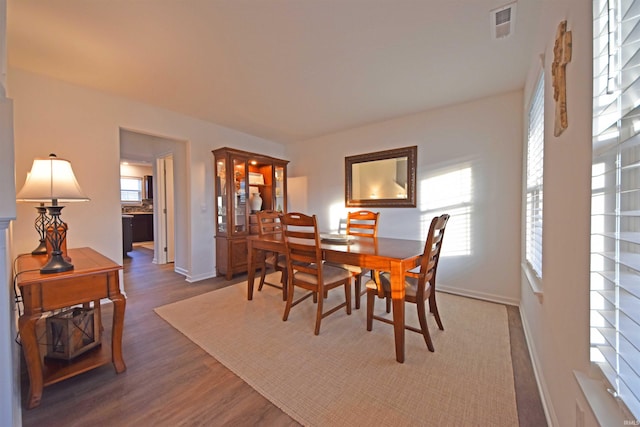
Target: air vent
(503,21)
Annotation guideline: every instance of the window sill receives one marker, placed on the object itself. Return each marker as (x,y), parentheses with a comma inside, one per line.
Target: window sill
(534,282)
(604,406)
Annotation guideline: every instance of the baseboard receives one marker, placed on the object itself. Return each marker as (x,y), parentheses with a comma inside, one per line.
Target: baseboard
(478,295)
(192,279)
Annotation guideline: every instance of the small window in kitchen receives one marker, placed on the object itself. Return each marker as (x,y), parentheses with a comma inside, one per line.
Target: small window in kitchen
(130,189)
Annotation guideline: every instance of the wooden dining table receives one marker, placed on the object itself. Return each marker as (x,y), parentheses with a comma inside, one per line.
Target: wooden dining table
(380,253)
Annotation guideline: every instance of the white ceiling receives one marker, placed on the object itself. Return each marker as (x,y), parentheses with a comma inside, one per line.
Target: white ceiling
(285,70)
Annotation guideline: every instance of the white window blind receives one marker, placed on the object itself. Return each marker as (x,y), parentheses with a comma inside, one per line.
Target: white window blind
(535,165)
(615,202)
(130,189)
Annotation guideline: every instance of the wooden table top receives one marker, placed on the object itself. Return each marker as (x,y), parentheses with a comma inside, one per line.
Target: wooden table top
(383,247)
(85,261)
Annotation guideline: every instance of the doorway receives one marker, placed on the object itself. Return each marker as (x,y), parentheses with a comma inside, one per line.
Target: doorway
(167,157)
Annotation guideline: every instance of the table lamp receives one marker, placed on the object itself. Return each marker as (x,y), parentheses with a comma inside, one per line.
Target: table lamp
(51,180)
(41,222)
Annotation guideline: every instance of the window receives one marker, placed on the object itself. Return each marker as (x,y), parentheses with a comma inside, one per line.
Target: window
(450,192)
(130,189)
(615,200)
(535,163)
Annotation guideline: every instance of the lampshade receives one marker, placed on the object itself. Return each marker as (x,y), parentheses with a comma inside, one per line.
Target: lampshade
(51,180)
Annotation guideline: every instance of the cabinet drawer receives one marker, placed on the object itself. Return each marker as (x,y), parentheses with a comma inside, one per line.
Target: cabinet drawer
(76,290)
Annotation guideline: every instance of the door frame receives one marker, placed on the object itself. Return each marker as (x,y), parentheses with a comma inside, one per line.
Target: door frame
(165,210)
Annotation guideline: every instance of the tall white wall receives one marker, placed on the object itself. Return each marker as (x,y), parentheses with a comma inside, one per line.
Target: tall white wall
(10,414)
(83,126)
(485,135)
(557,324)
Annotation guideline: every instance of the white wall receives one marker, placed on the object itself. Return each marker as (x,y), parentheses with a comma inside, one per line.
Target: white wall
(137,171)
(557,326)
(83,126)
(10,414)
(484,135)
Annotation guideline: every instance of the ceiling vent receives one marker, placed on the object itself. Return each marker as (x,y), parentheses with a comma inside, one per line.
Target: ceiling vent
(503,21)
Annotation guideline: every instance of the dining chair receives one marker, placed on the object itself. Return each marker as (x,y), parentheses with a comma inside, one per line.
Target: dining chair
(363,224)
(419,285)
(269,223)
(306,268)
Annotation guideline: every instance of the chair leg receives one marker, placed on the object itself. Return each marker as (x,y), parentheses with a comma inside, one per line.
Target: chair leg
(347,295)
(287,307)
(433,308)
(388,303)
(285,284)
(319,315)
(263,274)
(422,316)
(358,281)
(370,303)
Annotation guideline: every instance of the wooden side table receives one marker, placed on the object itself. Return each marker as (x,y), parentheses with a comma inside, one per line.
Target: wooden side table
(94,277)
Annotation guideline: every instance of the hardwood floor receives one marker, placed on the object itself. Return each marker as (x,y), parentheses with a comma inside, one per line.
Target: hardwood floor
(170,381)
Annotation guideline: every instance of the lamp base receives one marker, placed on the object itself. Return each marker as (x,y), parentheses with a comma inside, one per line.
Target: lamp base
(41,226)
(56,264)
(41,249)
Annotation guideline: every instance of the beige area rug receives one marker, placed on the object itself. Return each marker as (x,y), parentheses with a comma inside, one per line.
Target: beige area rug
(347,376)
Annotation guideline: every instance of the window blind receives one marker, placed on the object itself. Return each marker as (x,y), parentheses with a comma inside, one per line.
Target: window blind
(615,202)
(130,189)
(535,164)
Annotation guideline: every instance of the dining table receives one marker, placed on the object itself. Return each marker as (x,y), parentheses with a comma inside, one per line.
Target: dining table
(395,256)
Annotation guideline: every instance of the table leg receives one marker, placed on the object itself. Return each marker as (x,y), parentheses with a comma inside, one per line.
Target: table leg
(119,304)
(251,273)
(97,316)
(27,327)
(397,297)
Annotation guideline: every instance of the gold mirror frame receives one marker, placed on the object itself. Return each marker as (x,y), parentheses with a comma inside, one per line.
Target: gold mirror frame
(397,191)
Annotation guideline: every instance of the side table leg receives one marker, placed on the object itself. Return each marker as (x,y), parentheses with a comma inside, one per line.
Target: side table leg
(119,304)
(27,327)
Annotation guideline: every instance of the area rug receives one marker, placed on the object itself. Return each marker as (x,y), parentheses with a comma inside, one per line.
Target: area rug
(347,376)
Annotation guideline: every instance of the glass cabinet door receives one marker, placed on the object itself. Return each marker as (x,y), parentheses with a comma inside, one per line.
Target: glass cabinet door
(279,188)
(221,199)
(239,207)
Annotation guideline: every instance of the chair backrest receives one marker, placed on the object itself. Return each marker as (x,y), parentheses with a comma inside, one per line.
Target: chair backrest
(302,242)
(363,223)
(269,222)
(431,256)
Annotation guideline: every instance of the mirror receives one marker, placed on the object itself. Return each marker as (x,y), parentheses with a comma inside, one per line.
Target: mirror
(381,179)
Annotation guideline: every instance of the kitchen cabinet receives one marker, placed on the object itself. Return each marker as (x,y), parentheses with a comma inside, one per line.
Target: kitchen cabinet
(147,182)
(142,228)
(127,234)
(239,176)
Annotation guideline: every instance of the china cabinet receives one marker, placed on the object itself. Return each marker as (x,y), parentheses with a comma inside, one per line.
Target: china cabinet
(243,178)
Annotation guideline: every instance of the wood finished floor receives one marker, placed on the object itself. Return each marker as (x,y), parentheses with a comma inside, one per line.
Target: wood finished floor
(170,381)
